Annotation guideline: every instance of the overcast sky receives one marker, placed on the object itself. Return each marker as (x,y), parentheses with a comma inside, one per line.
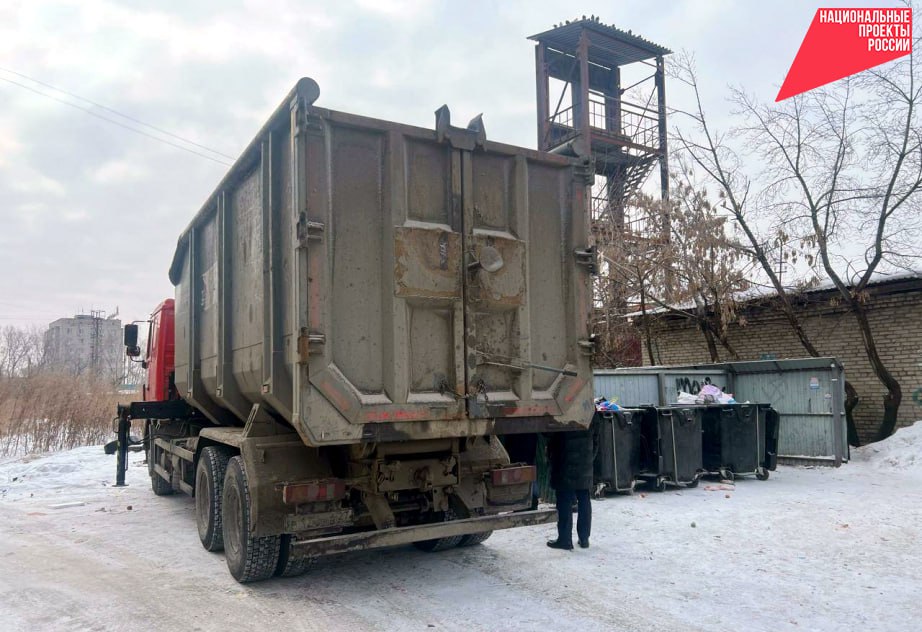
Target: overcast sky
(90,212)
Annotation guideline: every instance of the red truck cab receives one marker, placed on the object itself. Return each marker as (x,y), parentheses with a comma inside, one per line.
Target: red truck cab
(161,354)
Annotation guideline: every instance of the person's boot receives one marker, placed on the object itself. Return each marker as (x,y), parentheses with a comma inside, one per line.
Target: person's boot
(557,544)
(584,544)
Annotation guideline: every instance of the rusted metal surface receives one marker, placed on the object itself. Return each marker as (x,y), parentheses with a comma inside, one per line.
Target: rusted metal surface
(406,535)
(350,272)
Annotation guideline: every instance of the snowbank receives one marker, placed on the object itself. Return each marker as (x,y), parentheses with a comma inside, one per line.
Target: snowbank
(57,473)
(902,451)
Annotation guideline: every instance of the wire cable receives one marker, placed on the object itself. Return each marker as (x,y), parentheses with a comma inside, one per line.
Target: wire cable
(117,113)
(119,123)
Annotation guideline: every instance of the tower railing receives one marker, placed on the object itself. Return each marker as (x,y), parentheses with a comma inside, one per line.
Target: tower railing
(638,124)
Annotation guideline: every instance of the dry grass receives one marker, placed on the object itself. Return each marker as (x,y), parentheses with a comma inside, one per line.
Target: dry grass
(48,412)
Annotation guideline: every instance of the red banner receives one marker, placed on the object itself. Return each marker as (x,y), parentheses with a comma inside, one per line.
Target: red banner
(842,42)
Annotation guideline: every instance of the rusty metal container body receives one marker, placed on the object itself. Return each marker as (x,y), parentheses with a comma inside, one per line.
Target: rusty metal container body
(370,281)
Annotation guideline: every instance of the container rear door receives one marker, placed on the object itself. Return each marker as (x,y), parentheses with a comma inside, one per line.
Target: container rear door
(526,298)
(437,279)
(385,318)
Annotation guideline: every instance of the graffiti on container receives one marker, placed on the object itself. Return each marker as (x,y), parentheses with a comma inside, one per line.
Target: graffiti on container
(692,386)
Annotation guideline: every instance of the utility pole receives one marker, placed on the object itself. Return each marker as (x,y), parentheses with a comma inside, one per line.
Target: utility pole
(94,361)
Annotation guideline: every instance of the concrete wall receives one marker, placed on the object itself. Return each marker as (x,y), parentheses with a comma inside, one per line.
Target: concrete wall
(897,324)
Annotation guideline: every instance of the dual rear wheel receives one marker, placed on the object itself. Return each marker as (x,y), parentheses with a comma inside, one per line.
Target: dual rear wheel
(224,521)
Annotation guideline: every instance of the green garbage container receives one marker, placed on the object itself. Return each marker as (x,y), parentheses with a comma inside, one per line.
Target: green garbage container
(671,446)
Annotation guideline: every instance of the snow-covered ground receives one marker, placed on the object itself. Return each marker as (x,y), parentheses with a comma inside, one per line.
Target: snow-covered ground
(810,549)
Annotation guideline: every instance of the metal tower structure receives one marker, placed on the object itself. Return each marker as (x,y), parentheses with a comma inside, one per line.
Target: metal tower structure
(587,111)
(95,341)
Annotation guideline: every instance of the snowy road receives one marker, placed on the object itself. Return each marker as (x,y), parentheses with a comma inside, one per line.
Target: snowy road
(811,549)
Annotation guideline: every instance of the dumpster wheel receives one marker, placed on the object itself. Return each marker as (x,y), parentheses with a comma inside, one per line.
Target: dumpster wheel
(692,483)
(762,474)
(659,484)
(726,475)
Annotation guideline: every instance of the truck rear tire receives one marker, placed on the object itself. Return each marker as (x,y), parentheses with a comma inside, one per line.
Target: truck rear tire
(290,566)
(475,538)
(439,544)
(159,485)
(209,489)
(249,558)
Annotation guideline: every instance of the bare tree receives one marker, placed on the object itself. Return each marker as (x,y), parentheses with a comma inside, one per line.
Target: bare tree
(21,351)
(695,272)
(712,267)
(711,152)
(847,161)
(633,278)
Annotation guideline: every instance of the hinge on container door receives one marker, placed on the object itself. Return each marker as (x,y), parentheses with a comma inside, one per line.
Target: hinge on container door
(308,230)
(308,343)
(588,257)
(588,345)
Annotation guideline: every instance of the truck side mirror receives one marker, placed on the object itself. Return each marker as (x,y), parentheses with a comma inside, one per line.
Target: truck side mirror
(132,349)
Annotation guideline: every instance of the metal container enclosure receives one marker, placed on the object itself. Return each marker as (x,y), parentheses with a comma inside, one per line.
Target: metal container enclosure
(807,393)
(658,386)
(370,281)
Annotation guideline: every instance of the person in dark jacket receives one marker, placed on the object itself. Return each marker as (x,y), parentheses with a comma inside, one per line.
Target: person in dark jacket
(571,455)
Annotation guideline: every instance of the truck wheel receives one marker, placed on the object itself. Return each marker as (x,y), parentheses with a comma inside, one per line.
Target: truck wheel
(474,538)
(439,544)
(159,485)
(290,566)
(249,559)
(209,488)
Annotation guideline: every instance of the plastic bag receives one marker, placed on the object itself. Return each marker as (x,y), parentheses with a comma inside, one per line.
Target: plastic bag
(604,405)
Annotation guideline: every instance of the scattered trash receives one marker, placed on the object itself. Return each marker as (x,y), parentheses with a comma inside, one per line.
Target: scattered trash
(604,405)
(693,525)
(709,394)
(128,507)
